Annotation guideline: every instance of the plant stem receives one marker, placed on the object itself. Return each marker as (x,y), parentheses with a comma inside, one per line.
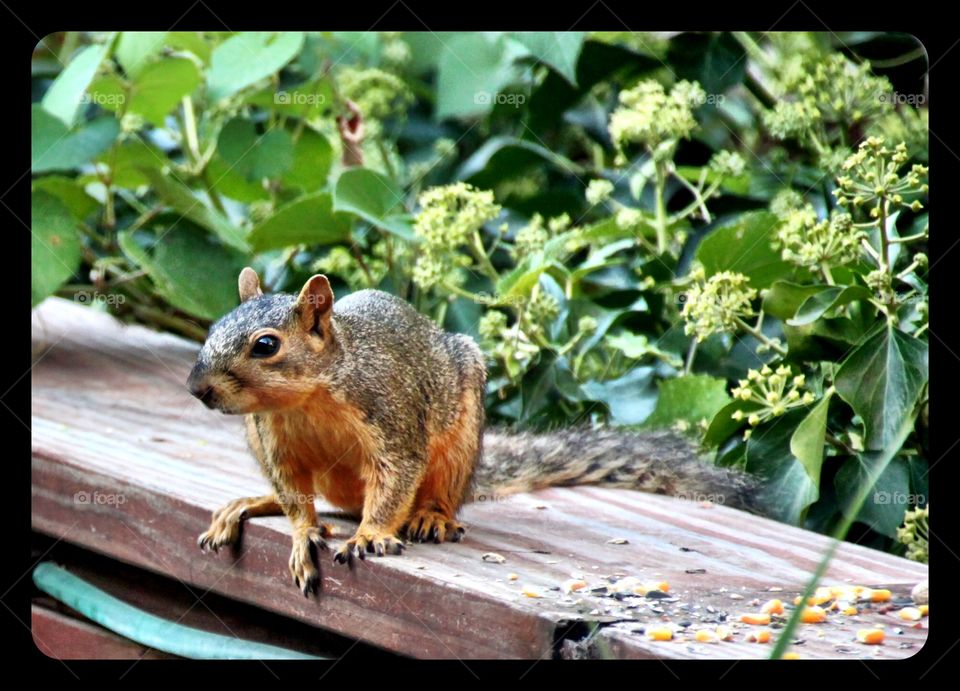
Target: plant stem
(385,157)
(760,336)
(691,354)
(908,238)
(480,255)
(884,242)
(660,185)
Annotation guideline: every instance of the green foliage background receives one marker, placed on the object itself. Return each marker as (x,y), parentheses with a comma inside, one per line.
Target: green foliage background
(629,223)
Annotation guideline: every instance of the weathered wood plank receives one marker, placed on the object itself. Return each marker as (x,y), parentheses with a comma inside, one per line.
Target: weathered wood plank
(64,637)
(111,418)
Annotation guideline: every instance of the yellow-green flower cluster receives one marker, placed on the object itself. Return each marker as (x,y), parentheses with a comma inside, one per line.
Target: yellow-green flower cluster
(828,90)
(775,391)
(791,119)
(449,217)
(728,164)
(649,116)
(909,125)
(915,534)
(804,241)
(541,310)
(532,237)
(785,202)
(378,94)
(871,178)
(394,49)
(598,191)
(340,262)
(716,304)
(508,345)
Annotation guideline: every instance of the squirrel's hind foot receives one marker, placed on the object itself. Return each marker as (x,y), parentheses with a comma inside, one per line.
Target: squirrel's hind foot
(432,526)
(367,541)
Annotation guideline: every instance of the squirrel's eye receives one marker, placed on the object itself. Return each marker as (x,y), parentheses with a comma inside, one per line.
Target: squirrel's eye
(265,346)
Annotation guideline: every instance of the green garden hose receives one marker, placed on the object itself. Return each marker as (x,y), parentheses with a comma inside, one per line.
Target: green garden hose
(147,629)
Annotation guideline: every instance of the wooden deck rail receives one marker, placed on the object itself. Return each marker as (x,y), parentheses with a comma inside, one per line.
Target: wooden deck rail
(127,464)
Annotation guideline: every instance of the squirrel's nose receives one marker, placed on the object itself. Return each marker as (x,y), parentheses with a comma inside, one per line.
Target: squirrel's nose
(200,387)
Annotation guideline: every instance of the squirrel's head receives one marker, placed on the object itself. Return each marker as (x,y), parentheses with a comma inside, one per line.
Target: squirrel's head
(264,355)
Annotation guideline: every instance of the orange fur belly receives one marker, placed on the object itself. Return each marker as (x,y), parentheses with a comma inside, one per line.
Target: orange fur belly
(341,486)
(330,442)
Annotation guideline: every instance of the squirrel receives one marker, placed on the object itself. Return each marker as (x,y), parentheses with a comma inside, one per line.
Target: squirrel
(371,405)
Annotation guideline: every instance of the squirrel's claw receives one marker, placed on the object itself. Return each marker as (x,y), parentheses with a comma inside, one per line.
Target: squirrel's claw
(375,543)
(306,544)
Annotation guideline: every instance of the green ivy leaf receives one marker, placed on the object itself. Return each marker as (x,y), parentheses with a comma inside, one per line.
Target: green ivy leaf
(558,49)
(743,245)
(882,381)
(248,57)
(723,426)
(55,246)
(821,302)
(787,488)
(312,158)
(784,298)
(128,158)
(253,156)
(80,204)
(189,269)
(54,147)
(374,198)
(631,398)
(136,48)
(885,505)
(472,70)
(159,87)
(691,398)
(180,197)
(192,42)
(309,220)
(807,441)
(65,97)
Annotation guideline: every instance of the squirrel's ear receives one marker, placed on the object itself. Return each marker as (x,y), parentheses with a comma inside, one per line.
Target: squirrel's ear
(249,284)
(315,303)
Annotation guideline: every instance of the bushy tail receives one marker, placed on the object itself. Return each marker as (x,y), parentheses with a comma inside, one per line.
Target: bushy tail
(658,462)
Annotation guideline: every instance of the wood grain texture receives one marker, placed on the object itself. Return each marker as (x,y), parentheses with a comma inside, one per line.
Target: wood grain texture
(127,463)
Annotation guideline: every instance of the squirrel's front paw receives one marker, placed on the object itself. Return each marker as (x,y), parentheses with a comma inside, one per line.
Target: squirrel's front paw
(302,558)
(225,527)
(364,541)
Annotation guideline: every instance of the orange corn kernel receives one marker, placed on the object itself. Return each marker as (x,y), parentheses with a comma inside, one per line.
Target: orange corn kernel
(706,636)
(870,636)
(755,619)
(762,636)
(910,614)
(813,615)
(661,633)
(772,607)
